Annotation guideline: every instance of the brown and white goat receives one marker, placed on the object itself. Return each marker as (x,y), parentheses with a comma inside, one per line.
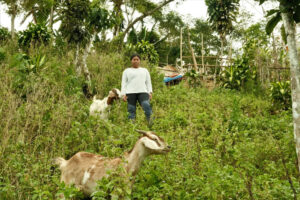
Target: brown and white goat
(85,169)
(99,107)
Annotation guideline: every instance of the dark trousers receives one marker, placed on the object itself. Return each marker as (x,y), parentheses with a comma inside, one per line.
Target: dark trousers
(143,99)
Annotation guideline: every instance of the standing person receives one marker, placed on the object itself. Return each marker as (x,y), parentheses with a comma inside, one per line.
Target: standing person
(136,86)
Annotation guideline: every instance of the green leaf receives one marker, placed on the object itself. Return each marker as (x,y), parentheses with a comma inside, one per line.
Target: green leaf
(283,34)
(272,23)
(271,12)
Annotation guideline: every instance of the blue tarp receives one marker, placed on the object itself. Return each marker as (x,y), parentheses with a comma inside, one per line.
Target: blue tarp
(168,79)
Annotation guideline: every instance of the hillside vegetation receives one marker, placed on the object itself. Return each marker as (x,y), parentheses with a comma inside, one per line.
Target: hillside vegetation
(225,144)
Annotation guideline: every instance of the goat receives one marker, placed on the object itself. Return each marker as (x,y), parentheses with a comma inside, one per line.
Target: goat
(85,169)
(98,107)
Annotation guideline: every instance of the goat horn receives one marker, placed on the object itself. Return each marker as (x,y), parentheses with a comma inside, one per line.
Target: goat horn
(142,132)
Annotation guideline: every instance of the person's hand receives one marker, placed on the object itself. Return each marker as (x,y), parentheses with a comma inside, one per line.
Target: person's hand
(125,98)
(150,96)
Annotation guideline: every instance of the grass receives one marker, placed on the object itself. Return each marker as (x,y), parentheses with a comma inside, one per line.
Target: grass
(225,144)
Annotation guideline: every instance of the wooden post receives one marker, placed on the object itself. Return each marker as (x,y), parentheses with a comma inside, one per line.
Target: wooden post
(192,51)
(215,73)
(202,55)
(181,65)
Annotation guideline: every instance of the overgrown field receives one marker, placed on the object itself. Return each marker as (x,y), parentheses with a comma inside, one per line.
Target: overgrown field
(225,144)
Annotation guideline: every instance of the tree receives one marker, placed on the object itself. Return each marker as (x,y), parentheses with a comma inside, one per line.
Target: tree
(81,21)
(145,14)
(210,41)
(170,25)
(289,12)
(167,46)
(35,35)
(42,11)
(118,14)
(221,15)
(14,8)
(145,7)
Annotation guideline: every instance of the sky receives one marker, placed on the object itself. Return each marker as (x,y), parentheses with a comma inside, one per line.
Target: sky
(189,9)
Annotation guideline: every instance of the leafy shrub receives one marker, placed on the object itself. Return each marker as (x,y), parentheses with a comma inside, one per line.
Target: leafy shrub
(147,51)
(281,95)
(25,67)
(193,78)
(4,34)
(236,76)
(35,35)
(2,54)
(68,192)
(115,186)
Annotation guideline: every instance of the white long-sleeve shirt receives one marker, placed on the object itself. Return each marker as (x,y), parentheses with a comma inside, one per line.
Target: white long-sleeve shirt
(136,80)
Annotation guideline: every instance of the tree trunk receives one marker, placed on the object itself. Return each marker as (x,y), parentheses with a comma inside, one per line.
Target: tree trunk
(77,60)
(51,18)
(295,77)
(82,69)
(12,27)
(202,56)
(85,69)
(181,63)
(222,52)
(192,52)
(118,14)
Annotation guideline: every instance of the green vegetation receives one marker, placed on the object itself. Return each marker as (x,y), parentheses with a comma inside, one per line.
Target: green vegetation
(225,144)
(230,142)
(35,35)
(147,51)
(280,93)
(238,75)
(4,34)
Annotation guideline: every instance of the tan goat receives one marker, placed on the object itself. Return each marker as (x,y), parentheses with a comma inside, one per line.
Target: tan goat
(85,169)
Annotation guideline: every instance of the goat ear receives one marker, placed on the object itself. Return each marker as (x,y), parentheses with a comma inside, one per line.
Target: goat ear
(142,132)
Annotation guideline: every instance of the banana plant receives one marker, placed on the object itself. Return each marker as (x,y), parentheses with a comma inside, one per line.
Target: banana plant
(280,93)
(237,75)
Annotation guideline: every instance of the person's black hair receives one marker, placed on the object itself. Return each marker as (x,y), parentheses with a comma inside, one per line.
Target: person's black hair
(135,55)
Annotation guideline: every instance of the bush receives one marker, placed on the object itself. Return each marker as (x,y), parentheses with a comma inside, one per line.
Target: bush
(35,35)
(281,95)
(193,78)
(236,76)
(4,34)
(2,54)
(26,69)
(147,51)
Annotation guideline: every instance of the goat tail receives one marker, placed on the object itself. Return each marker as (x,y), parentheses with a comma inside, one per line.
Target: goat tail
(60,162)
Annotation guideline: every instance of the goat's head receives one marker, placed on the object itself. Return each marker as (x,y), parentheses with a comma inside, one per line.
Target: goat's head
(114,94)
(153,143)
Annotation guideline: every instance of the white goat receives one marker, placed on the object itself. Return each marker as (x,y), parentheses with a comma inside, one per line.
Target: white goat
(85,169)
(98,107)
